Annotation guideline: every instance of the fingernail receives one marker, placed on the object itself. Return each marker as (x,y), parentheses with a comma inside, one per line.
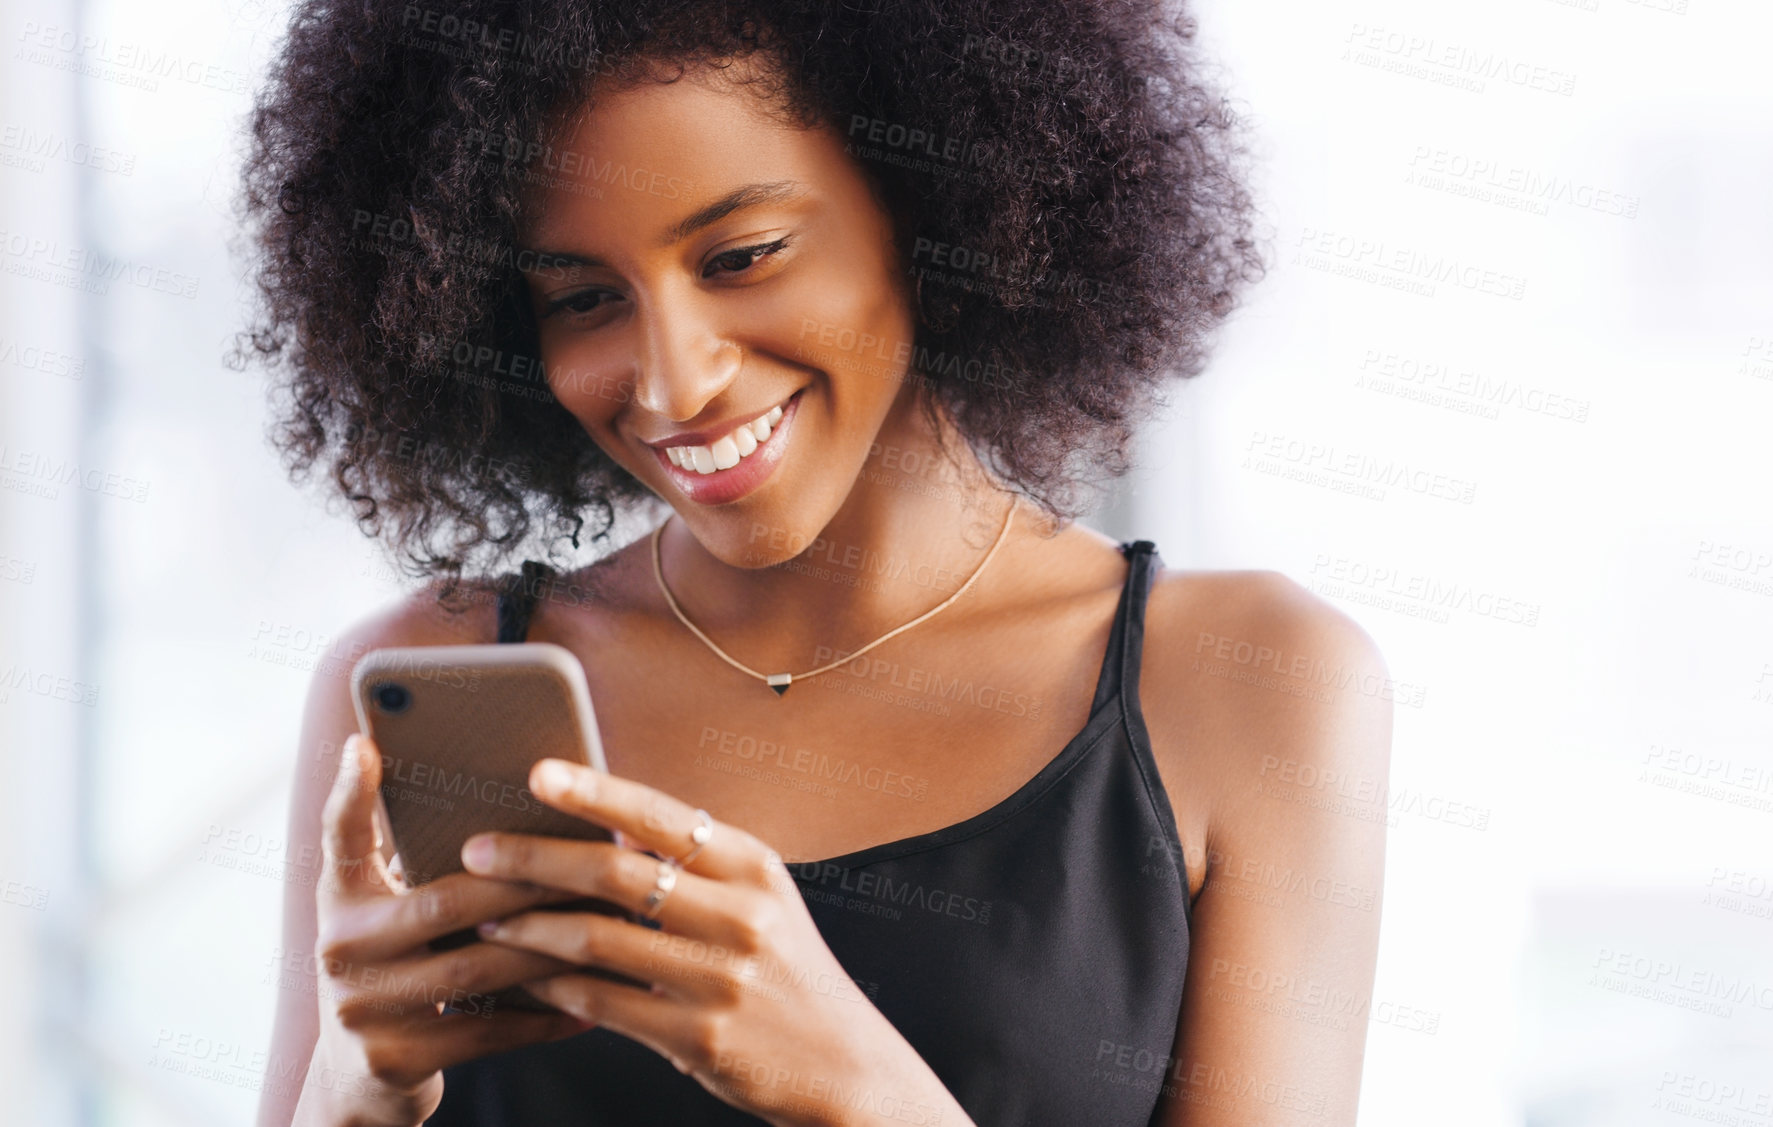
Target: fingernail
(477,852)
(553,775)
(489,929)
(363,756)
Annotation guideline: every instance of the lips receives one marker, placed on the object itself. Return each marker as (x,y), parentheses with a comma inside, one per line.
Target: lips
(729,449)
(724,470)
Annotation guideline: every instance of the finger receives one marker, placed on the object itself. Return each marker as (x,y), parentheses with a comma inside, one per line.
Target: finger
(379,815)
(452,1039)
(349,838)
(650,818)
(394,925)
(687,967)
(695,905)
(665,1026)
(462,1038)
(464,978)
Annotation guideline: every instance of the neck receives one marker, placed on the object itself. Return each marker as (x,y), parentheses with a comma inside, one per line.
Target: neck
(913,529)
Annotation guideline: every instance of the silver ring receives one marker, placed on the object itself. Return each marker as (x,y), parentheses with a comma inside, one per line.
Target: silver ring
(699,836)
(662,886)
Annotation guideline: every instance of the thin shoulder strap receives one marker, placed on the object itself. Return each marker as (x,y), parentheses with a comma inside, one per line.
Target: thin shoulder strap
(517,600)
(1120,664)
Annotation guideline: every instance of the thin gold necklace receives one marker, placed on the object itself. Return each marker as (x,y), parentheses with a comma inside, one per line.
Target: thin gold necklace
(780,681)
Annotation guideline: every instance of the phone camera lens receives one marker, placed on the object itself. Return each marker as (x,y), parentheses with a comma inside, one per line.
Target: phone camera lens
(390,697)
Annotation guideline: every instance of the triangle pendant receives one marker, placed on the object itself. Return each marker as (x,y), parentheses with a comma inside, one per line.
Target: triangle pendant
(780,682)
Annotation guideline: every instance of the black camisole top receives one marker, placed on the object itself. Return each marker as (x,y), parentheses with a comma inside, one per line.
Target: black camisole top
(1033,954)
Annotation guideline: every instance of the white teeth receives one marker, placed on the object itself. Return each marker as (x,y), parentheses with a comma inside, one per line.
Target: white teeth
(726,452)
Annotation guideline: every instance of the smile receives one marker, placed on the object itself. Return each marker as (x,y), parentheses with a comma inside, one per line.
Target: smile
(734,464)
(729,450)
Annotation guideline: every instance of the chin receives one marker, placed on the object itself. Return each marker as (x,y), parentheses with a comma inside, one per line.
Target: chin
(758,536)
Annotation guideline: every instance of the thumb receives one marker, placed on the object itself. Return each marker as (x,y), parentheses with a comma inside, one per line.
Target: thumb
(349,835)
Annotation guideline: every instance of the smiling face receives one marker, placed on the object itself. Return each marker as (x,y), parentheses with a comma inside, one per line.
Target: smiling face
(729,309)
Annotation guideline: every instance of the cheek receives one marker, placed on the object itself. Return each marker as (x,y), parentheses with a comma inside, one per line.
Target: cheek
(589,383)
(850,323)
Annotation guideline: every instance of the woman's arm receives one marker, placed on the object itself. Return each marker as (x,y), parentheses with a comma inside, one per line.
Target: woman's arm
(373,926)
(327,719)
(1286,928)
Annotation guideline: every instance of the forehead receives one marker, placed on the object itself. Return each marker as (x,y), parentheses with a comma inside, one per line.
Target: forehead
(642,149)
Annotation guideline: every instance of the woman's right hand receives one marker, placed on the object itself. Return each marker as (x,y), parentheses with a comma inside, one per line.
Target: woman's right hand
(384,1039)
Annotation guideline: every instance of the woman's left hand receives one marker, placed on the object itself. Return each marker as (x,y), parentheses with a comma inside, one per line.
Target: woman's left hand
(746,997)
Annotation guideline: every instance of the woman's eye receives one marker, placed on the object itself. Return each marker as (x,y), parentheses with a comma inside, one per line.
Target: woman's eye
(584,301)
(741,258)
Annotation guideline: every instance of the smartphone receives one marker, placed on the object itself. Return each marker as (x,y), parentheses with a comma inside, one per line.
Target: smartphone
(459,728)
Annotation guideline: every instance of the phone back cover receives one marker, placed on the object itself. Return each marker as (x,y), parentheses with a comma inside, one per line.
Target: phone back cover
(456,762)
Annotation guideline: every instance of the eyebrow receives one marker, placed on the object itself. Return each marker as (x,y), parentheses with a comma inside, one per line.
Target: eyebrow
(749,195)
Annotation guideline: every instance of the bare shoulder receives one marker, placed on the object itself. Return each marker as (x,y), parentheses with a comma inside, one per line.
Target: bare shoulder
(417,618)
(328,716)
(1263,621)
(414,619)
(1251,681)
(1257,656)
(1270,721)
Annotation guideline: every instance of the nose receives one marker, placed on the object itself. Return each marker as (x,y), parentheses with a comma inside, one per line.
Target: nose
(684,360)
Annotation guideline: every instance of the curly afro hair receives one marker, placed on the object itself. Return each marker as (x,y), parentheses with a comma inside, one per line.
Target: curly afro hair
(1064,183)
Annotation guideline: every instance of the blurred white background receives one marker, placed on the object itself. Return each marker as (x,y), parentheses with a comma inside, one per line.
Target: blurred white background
(1505,397)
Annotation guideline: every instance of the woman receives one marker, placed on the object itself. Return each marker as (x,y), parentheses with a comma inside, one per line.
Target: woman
(943,808)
